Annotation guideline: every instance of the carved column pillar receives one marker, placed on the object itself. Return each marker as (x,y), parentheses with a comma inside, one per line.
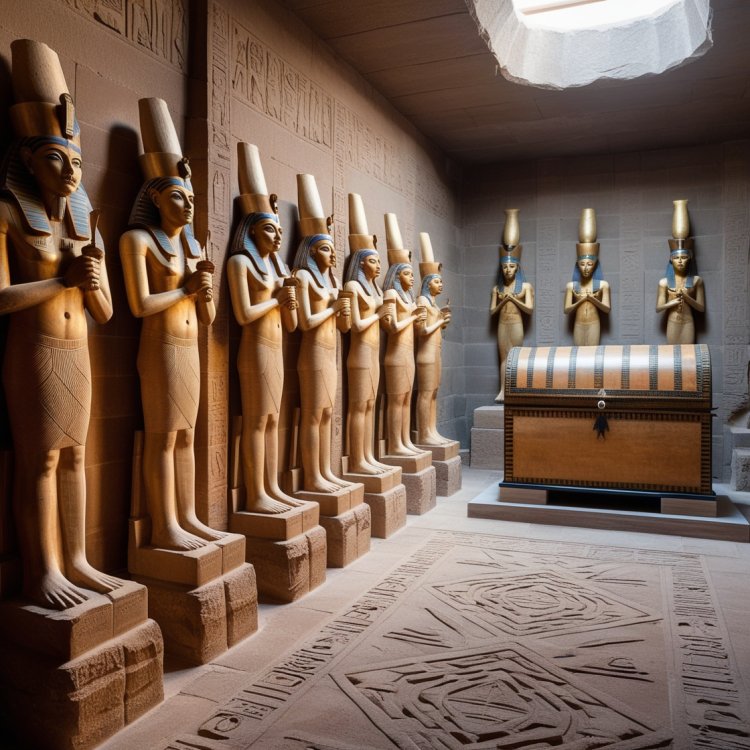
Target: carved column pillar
(209,139)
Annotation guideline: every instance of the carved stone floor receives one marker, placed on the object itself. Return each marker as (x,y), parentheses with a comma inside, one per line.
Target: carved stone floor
(461,632)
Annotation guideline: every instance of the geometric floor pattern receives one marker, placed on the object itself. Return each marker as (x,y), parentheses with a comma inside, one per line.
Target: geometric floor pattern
(488,641)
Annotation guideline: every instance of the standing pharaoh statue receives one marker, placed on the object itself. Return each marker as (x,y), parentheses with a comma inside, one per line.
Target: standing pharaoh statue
(322,311)
(587,294)
(399,354)
(681,291)
(52,271)
(169,287)
(263,299)
(363,362)
(429,345)
(511,296)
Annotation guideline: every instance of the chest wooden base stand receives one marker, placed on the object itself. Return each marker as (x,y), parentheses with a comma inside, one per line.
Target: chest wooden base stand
(386,496)
(447,464)
(72,678)
(347,522)
(419,477)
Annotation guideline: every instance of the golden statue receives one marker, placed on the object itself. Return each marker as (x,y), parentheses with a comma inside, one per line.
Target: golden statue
(262,299)
(681,291)
(588,293)
(511,295)
(429,346)
(399,353)
(169,287)
(322,310)
(363,362)
(52,271)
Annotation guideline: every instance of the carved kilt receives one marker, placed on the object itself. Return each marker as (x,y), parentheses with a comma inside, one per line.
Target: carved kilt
(169,368)
(48,388)
(363,369)
(260,363)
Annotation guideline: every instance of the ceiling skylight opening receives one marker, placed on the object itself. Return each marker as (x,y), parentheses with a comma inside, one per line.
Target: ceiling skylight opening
(566,43)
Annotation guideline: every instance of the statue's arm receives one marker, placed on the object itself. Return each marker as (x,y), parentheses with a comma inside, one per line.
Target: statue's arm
(662,302)
(239,292)
(14,297)
(98,301)
(604,303)
(699,301)
(133,249)
(525,303)
(306,318)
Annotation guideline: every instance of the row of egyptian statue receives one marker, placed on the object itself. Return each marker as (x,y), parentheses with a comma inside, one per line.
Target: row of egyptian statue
(588,294)
(201,589)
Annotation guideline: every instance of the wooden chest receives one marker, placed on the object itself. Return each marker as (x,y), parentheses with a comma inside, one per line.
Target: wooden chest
(609,417)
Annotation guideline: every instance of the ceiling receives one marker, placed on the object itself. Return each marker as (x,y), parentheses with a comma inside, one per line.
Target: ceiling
(427,59)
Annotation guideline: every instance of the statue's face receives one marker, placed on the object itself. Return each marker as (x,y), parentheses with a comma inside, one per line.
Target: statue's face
(55,168)
(680,262)
(175,204)
(586,267)
(509,271)
(371,266)
(267,235)
(406,277)
(435,286)
(324,254)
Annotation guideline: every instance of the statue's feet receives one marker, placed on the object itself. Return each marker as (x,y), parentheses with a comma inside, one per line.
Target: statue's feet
(401,450)
(177,539)
(382,468)
(318,484)
(364,468)
(282,497)
(340,483)
(83,574)
(54,591)
(414,450)
(199,529)
(266,504)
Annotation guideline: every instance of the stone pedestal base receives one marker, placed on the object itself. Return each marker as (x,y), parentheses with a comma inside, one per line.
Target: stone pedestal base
(348,535)
(204,600)
(487,437)
(288,569)
(447,463)
(388,510)
(72,678)
(346,520)
(741,469)
(421,491)
(201,623)
(448,476)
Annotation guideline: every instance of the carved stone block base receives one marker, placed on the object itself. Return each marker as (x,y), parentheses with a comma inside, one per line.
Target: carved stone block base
(288,569)
(448,476)
(421,491)
(388,510)
(348,535)
(409,464)
(61,701)
(741,469)
(335,503)
(442,452)
(487,437)
(276,526)
(373,482)
(201,623)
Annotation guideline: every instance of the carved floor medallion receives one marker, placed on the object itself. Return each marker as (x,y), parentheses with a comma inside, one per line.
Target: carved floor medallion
(480,641)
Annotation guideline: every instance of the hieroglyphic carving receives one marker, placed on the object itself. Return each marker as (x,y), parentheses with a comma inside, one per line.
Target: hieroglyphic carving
(159,26)
(503,695)
(456,682)
(432,193)
(270,85)
(541,603)
(548,287)
(274,689)
(631,280)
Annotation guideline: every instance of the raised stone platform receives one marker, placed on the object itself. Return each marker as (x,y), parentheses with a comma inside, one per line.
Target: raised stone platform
(72,678)
(386,496)
(447,463)
(728,524)
(487,436)
(420,480)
